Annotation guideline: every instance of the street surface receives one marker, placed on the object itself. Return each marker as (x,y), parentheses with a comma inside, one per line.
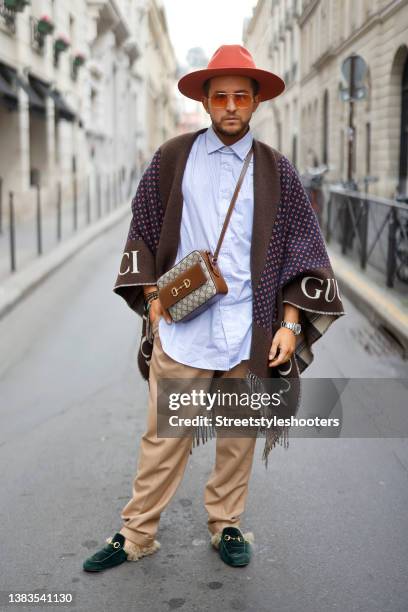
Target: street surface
(329,515)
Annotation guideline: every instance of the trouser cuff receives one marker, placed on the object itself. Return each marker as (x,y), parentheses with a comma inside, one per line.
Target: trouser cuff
(136,538)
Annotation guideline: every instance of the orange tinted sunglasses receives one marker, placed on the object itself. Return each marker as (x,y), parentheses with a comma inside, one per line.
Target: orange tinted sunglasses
(241,100)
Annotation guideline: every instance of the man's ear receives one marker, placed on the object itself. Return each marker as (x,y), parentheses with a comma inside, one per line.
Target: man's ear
(256,102)
(204,101)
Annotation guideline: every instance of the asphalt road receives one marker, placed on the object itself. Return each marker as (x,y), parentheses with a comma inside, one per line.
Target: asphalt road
(329,515)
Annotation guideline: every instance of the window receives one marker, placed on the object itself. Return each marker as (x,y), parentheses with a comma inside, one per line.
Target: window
(403,161)
(325,141)
(294,150)
(341,154)
(368,149)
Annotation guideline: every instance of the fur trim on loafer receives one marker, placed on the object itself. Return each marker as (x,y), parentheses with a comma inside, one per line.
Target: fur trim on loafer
(136,551)
(216,538)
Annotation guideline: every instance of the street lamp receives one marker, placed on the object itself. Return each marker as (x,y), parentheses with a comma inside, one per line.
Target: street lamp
(354,70)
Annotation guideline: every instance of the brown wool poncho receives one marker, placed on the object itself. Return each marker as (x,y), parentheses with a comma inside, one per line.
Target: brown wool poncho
(289,261)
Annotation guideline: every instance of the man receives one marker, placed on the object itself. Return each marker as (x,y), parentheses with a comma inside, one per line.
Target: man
(276,267)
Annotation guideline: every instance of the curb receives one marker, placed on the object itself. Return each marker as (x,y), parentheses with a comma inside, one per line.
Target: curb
(379,307)
(20,284)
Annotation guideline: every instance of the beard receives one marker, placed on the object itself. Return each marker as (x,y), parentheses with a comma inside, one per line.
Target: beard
(234,129)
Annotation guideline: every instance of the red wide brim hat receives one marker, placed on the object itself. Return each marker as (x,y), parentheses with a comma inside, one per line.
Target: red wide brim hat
(231,60)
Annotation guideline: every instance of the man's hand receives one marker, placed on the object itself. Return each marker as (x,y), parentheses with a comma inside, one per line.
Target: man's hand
(156,310)
(284,340)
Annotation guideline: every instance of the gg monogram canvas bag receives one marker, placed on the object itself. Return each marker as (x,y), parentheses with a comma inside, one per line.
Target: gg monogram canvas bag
(196,281)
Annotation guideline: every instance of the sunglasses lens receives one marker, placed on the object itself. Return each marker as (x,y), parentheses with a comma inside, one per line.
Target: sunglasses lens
(219,100)
(241,100)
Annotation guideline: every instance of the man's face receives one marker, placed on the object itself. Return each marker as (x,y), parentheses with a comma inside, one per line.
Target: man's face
(230,121)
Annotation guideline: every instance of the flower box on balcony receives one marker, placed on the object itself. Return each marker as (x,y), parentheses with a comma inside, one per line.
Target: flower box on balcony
(45,25)
(61,44)
(79,59)
(16,5)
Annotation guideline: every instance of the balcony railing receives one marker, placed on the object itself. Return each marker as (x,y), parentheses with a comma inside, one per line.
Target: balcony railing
(8,17)
(372,230)
(37,40)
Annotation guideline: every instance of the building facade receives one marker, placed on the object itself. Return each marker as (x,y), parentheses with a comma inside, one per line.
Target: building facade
(159,68)
(75,80)
(311,113)
(272,36)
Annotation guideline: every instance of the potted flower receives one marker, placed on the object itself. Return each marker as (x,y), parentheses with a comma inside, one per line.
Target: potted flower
(61,43)
(16,5)
(45,25)
(79,59)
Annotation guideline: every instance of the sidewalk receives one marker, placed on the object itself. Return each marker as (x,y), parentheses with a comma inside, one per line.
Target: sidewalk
(26,237)
(381,305)
(88,211)
(16,286)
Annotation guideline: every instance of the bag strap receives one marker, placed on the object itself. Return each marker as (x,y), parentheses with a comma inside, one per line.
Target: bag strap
(231,206)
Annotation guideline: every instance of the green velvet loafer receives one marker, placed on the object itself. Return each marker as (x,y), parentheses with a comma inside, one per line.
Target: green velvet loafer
(234,547)
(110,555)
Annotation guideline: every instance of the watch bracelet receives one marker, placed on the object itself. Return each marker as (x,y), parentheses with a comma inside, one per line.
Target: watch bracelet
(290,325)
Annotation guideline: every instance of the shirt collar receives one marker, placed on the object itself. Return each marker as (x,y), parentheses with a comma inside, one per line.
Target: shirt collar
(240,148)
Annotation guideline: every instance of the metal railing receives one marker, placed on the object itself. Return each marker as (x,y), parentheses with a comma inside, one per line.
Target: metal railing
(80,204)
(371,230)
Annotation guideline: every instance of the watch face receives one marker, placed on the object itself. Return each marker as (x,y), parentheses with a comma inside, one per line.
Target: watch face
(297,328)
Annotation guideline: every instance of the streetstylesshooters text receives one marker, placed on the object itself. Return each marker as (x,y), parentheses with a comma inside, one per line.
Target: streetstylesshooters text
(255,401)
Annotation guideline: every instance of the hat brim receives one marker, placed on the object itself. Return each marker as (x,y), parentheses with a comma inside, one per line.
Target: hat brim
(270,84)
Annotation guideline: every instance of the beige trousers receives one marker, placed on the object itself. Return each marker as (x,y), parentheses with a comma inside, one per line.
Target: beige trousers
(162,462)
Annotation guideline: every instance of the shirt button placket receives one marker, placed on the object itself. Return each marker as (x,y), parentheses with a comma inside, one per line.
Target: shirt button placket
(225,196)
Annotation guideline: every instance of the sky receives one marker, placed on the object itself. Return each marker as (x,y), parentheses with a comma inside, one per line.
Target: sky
(205,23)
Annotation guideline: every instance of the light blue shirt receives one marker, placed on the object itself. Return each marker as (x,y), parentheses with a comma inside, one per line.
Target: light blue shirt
(219,337)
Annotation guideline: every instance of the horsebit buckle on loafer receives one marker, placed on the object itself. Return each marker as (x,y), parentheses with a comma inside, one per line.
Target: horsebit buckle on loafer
(228,537)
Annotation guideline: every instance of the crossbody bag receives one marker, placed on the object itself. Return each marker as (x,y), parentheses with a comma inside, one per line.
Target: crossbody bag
(196,281)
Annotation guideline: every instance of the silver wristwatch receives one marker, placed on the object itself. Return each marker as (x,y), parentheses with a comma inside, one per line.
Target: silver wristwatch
(295,327)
